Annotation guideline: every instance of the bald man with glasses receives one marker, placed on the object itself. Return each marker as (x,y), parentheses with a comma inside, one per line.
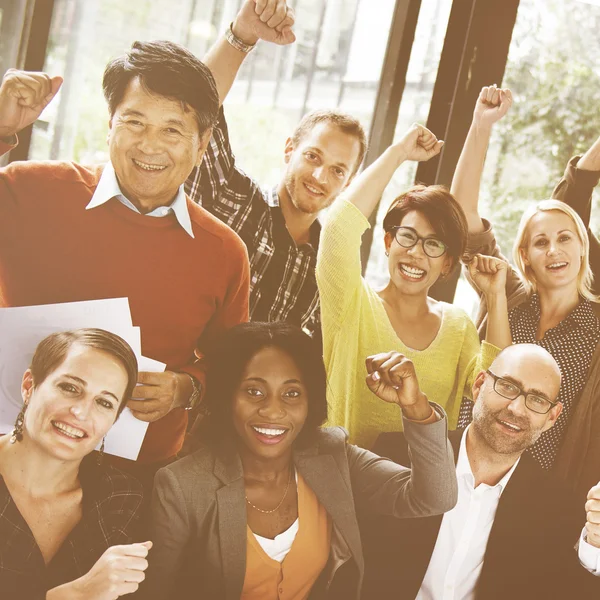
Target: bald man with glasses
(516,532)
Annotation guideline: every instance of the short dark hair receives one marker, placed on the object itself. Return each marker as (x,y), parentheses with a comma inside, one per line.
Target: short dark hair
(442,211)
(166,69)
(53,349)
(225,364)
(345,122)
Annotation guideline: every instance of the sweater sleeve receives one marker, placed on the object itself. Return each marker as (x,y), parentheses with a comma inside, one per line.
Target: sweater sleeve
(338,261)
(428,488)
(575,189)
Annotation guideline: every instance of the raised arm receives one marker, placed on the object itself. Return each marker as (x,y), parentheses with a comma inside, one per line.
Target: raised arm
(491,106)
(269,20)
(365,191)
(575,189)
(382,486)
(23,97)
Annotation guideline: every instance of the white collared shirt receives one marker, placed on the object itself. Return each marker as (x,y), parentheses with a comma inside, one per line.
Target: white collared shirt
(457,557)
(108,187)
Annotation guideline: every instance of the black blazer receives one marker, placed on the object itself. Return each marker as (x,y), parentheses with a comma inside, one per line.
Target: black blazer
(530,552)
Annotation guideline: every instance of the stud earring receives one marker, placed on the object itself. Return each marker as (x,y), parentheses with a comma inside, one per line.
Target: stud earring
(387,253)
(100,456)
(17,432)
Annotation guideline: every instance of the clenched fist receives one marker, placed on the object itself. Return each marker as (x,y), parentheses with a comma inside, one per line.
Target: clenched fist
(419,144)
(592,508)
(492,105)
(23,97)
(489,274)
(392,377)
(269,20)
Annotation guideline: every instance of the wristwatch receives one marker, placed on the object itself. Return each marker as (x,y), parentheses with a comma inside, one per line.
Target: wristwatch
(195,397)
(236,42)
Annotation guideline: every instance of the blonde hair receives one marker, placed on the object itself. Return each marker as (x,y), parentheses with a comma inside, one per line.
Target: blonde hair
(584,277)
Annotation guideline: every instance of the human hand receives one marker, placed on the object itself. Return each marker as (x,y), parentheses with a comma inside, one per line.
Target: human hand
(392,377)
(489,274)
(269,20)
(418,144)
(23,97)
(117,572)
(592,507)
(158,394)
(492,105)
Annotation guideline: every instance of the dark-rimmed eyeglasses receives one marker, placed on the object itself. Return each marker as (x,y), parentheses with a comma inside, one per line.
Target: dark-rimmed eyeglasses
(511,391)
(407,237)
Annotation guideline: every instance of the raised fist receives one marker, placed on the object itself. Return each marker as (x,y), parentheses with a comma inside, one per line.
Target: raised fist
(492,105)
(488,273)
(23,97)
(392,377)
(419,144)
(269,20)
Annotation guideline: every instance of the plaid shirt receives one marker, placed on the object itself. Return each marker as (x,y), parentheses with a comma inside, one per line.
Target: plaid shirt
(110,514)
(282,284)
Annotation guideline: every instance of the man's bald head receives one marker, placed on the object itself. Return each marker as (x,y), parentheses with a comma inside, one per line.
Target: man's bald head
(508,424)
(527,361)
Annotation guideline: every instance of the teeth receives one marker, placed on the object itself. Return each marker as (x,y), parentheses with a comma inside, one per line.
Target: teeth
(511,426)
(148,167)
(557,265)
(70,431)
(412,271)
(266,431)
(312,189)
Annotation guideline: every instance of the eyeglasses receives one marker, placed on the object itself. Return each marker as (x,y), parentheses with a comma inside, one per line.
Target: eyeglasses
(407,237)
(511,391)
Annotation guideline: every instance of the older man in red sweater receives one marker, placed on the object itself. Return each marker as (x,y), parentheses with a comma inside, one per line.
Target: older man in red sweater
(69,232)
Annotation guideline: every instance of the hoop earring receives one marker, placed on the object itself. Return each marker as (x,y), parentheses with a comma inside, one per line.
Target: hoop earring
(17,432)
(100,456)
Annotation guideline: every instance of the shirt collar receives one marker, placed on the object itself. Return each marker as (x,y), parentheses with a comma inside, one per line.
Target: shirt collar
(272,200)
(463,466)
(108,187)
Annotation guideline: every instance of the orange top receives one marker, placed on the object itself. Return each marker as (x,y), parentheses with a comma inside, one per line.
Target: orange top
(292,579)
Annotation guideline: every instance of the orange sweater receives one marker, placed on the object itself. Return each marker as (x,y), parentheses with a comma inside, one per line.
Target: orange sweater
(292,579)
(182,290)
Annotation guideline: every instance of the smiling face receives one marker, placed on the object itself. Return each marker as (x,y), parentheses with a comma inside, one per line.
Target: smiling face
(553,250)
(154,144)
(270,405)
(319,167)
(508,426)
(70,412)
(411,270)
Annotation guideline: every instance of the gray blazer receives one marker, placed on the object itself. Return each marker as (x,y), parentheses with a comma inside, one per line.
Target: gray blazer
(199,510)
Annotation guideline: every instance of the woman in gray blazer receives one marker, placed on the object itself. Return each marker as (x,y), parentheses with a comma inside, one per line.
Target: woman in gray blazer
(226,514)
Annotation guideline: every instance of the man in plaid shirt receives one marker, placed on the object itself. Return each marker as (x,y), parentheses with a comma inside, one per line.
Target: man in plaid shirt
(279,226)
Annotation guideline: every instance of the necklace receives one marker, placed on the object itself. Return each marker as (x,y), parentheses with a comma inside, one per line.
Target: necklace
(268,512)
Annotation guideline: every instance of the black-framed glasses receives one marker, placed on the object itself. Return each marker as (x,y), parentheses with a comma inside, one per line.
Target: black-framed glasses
(407,237)
(511,391)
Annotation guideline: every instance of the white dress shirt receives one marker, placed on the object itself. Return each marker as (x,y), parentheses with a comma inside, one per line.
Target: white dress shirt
(108,187)
(457,557)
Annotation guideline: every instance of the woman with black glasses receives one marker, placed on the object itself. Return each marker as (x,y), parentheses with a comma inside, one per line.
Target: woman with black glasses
(425,236)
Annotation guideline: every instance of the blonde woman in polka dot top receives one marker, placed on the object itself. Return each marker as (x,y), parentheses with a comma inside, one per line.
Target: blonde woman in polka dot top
(550,301)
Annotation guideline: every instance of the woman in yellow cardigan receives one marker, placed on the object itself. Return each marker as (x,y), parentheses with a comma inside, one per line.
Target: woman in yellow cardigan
(425,235)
